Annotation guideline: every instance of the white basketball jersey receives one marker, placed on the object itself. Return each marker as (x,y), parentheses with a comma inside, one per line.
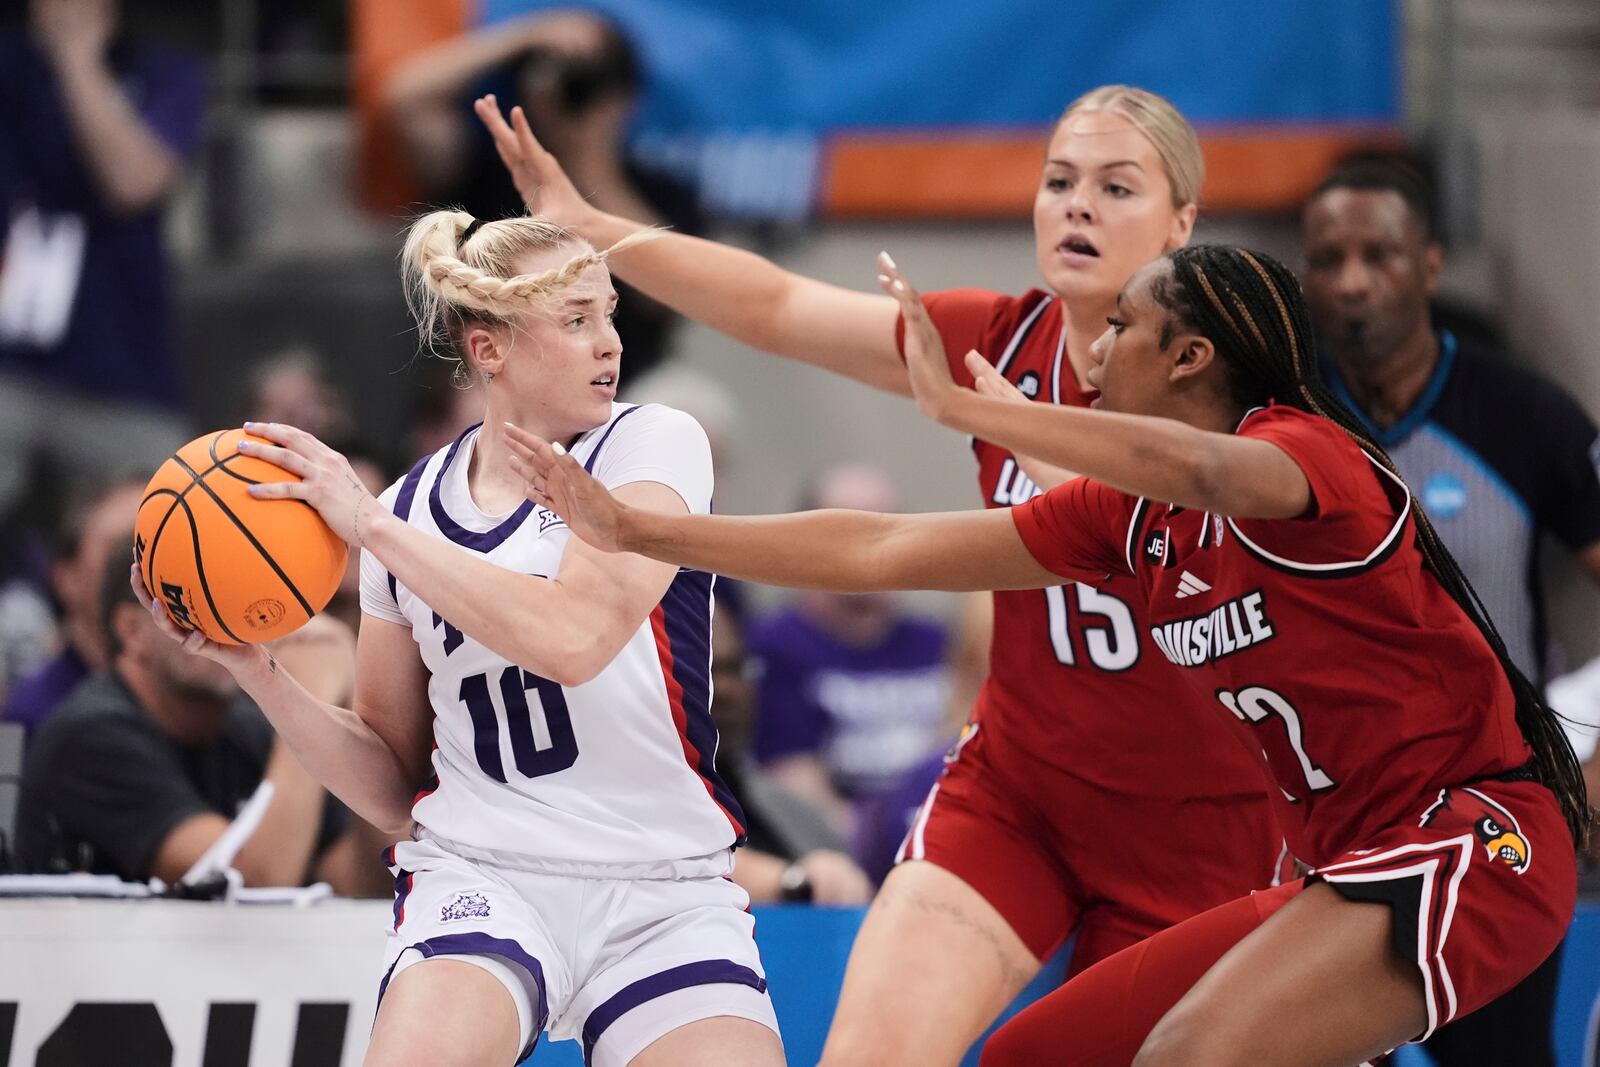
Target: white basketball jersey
(614,773)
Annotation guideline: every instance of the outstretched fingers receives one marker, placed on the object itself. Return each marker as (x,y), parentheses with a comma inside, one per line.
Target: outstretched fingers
(894,282)
(988,380)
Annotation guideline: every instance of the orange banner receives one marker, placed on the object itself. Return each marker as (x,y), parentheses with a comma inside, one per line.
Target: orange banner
(981,175)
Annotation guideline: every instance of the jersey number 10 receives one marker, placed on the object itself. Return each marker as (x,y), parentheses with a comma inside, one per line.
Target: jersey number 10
(538,746)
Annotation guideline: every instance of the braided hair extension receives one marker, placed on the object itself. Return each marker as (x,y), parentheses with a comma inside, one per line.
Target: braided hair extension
(460,270)
(1250,307)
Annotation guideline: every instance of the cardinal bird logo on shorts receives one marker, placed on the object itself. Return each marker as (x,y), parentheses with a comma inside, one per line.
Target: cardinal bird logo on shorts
(1495,827)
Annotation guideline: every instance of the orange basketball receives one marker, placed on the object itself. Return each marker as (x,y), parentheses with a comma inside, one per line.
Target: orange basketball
(238,569)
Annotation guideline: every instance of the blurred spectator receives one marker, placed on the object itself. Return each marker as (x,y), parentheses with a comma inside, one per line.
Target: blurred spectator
(1576,697)
(93,528)
(1497,457)
(293,387)
(790,853)
(140,770)
(578,79)
(445,404)
(96,127)
(853,692)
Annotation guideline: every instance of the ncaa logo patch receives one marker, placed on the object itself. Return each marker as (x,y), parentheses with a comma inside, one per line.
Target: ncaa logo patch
(1028,385)
(1444,496)
(465,906)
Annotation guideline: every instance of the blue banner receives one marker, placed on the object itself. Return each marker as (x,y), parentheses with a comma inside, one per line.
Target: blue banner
(824,65)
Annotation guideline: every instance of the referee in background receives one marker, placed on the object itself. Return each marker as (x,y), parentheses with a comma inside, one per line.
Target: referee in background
(1498,458)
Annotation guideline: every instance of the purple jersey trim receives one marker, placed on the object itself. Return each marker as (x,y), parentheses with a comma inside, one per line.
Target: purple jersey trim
(481,944)
(686,617)
(588,464)
(705,972)
(402,507)
(478,542)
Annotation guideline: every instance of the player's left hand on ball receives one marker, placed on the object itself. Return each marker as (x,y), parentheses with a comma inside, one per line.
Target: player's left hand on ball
(556,481)
(326,482)
(931,382)
(233,657)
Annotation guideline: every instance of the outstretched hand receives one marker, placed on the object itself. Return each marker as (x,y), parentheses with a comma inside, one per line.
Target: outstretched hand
(926,367)
(554,480)
(544,187)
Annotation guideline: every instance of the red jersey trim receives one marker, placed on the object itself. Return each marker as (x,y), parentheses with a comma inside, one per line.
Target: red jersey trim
(1383,551)
(1021,334)
(1141,511)
(1343,569)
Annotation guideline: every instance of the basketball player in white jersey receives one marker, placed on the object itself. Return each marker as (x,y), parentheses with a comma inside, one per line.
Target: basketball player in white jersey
(533,713)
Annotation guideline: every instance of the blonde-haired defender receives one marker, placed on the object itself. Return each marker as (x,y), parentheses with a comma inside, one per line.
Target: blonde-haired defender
(531,718)
(1074,803)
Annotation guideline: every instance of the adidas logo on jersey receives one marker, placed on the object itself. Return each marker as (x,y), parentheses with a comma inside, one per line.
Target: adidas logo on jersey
(1189,585)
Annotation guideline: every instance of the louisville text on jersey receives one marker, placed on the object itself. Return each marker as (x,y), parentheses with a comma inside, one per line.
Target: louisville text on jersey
(1232,626)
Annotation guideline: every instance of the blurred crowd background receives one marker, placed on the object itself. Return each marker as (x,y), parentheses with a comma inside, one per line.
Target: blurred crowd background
(201,208)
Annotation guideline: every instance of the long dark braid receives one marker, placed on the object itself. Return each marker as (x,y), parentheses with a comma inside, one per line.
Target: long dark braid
(1250,306)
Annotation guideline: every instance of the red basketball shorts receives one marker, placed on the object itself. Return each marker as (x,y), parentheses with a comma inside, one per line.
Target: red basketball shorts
(1055,854)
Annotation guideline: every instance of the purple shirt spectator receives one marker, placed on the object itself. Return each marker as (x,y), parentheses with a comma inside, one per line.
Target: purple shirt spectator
(83,291)
(871,713)
(36,695)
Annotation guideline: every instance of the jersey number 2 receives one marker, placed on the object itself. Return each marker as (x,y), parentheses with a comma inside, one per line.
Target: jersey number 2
(539,746)
(1257,704)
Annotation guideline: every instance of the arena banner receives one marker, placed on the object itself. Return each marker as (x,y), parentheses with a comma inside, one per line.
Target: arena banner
(156,983)
(940,107)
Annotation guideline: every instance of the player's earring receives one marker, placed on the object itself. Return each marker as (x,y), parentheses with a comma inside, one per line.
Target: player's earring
(488,376)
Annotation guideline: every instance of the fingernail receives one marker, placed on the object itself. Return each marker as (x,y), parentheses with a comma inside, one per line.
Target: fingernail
(558,449)
(243,445)
(899,286)
(249,425)
(883,279)
(888,260)
(254,490)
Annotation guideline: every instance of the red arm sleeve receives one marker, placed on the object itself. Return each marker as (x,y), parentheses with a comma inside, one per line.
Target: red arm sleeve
(966,319)
(1079,530)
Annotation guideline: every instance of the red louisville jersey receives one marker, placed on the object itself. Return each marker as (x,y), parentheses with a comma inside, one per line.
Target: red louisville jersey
(1072,680)
(1324,637)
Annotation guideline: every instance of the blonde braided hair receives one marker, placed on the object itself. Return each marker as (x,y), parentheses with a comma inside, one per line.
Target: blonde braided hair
(450,283)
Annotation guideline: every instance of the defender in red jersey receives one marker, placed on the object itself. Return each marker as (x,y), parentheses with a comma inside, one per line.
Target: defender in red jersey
(1286,576)
(1081,729)
(1076,805)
